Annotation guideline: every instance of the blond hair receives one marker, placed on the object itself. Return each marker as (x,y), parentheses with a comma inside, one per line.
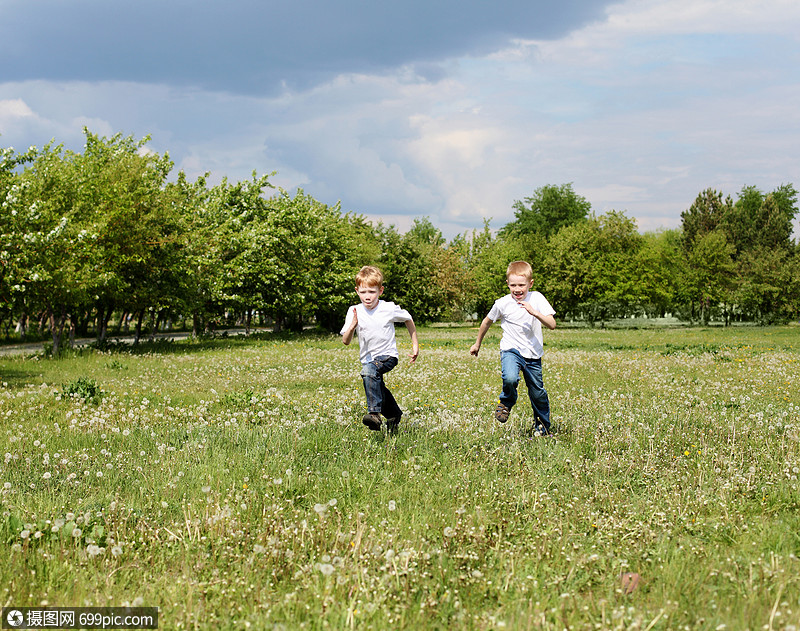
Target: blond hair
(369,276)
(520,268)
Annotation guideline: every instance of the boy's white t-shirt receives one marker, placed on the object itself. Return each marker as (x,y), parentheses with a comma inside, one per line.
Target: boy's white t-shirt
(376,329)
(521,330)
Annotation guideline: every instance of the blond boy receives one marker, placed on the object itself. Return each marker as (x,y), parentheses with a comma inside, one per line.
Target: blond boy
(374,320)
(521,314)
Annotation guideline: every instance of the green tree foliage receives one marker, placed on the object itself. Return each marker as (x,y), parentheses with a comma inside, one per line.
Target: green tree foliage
(591,272)
(488,257)
(709,274)
(658,268)
(549,209)
(706,214)
(102,234)
(757,231)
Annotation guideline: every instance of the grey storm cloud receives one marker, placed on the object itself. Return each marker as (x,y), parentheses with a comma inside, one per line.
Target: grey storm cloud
(256,46)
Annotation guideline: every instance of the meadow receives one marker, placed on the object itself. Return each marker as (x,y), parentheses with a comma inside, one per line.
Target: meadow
(231,484)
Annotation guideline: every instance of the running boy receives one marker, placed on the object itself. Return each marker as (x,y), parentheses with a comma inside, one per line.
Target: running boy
(374,320)
(521,313)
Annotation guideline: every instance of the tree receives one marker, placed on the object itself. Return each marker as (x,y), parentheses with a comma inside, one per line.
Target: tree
(591,268)
(657,270)
(549,209)
(709,273)
(487,258)
(706,214)
(13,251)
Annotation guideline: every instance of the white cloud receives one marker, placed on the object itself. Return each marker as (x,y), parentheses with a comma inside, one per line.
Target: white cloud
(640,111)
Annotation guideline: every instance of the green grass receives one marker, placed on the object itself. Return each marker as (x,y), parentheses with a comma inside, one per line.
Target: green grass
(231,484)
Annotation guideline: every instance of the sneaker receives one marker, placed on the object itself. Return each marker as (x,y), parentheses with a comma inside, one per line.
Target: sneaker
(392,424)
(501,413)
(372,420)
(542,431)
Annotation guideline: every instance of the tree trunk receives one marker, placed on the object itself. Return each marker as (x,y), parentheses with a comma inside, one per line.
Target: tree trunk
(73,327)
(57,329)
(196,324)
(138,335)
(22,326)
(103,317)
(155,322)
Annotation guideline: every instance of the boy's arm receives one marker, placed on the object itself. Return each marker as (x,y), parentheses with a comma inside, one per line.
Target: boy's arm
(548,320)
(412,331)
(482,330)
(347,336)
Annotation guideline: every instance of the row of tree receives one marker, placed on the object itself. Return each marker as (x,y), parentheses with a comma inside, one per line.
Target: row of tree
(104,238)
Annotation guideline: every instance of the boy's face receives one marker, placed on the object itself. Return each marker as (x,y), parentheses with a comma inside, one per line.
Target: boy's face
(369,295)
(519,286)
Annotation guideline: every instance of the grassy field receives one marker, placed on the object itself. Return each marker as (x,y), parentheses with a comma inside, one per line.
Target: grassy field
(231,484)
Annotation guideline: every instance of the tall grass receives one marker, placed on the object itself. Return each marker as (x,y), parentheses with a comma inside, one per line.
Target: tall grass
(231,484)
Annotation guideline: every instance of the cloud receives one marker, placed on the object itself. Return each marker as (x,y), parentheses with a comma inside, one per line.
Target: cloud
(641,110)
(258,46)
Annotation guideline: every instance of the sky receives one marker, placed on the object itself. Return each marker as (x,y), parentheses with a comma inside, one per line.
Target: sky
(445,109)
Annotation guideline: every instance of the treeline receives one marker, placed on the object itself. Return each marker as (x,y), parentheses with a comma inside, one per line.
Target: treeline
(102,240)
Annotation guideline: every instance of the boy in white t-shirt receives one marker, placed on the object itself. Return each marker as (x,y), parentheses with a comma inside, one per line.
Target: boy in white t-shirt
(521,313)
(374,320)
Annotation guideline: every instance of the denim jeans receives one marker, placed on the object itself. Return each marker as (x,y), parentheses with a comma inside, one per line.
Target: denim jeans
(511,364)
(379,399)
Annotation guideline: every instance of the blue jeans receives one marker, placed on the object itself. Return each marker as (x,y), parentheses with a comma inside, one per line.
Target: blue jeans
(379,399)
(511,364)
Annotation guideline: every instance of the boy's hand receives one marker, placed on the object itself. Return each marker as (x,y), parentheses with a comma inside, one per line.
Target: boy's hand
(527,306)
(474,349)
(354,323)
(347,336)
(414,354)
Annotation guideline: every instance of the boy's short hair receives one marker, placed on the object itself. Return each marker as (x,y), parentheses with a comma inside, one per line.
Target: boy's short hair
(369,276)
(520,268)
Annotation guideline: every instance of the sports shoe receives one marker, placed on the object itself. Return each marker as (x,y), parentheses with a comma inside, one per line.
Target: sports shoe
(501,413)
(542,431)
(372,420)
(392,424)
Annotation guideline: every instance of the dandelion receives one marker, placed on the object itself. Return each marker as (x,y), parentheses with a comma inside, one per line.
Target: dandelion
(320,509)
(259,549)
(326,569)
(277,481)
(332,502)
(392,505)
(449,532)
(77,532)
(346,474)
(46,475)
(94,550)
(205,489)
(116,550)
(25,534)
